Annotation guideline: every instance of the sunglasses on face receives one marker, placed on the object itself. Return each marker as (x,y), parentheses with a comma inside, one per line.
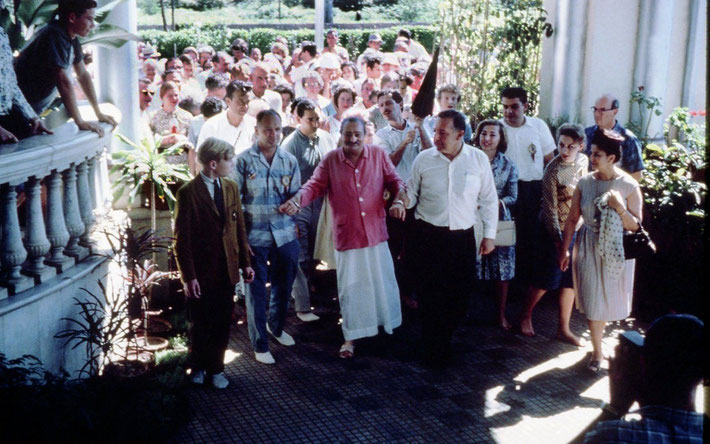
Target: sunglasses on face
(147,93)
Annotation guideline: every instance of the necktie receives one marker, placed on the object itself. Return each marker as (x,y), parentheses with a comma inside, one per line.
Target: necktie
(219,199)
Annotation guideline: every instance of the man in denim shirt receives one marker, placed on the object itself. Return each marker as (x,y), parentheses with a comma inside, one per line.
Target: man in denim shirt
(267,177)
(605,109)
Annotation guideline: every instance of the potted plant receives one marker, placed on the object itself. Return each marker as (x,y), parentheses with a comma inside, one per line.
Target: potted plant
(145,169)
(135,251)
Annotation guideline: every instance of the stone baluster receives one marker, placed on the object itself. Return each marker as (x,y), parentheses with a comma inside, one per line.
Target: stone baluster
(72,216)
(56,228)
(85,207)
(92,182)
(12,252)
(36,241)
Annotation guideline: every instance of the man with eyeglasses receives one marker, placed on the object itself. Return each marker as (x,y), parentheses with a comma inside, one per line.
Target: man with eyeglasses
(233,125)
(605,109)
(309,144)
(145,98)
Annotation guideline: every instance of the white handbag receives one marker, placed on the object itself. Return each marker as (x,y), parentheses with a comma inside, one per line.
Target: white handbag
(505,234)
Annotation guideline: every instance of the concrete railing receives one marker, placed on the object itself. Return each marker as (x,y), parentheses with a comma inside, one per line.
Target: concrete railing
(66,171)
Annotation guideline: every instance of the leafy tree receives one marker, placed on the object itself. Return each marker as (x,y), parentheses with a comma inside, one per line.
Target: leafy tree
(489,45)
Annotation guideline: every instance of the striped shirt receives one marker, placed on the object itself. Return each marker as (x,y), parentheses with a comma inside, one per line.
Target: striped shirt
(263,188)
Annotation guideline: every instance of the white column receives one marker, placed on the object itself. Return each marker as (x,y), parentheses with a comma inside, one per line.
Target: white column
(12,252)
(653,53)
(117,79)
(570,27)
(319,25)
(36,241)
(693,95)
(85,207)
(56,228)
(72,216)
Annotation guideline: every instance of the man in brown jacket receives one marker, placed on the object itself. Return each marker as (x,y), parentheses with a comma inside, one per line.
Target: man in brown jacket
(210,247)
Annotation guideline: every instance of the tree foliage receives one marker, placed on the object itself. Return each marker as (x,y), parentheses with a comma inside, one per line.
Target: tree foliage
(490,45)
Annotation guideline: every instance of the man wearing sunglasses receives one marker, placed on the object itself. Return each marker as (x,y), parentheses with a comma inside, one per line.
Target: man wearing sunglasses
(145,98)
(605,109)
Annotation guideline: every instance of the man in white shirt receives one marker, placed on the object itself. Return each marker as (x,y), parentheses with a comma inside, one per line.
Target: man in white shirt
(451,189)
(258,79)
(416,50)
(530,147)
(233,125)
(402,140)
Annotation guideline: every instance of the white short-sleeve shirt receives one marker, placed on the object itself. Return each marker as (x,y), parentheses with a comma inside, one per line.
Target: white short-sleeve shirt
(240,137)
(528,145)
(390,138)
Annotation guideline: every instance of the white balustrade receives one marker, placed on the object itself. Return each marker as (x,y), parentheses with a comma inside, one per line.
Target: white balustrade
(36,241)
(52,237)
(12,252)
(56,228)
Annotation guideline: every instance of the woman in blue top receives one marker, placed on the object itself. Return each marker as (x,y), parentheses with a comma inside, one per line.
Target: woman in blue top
(499,266)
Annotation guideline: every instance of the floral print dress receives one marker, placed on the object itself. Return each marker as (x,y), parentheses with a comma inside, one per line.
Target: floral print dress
(500,264)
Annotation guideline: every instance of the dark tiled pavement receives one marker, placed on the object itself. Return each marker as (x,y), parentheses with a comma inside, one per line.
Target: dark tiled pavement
(502,387)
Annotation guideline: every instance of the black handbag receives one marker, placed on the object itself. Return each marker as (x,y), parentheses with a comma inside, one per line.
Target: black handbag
(638,244)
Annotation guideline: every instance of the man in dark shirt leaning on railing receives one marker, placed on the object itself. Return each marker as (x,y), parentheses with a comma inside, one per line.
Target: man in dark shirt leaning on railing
(42,67)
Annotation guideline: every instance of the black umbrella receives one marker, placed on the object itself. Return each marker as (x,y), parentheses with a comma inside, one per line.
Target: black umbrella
(423,104)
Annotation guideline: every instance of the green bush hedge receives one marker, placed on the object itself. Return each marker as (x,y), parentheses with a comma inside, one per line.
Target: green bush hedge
(219,37)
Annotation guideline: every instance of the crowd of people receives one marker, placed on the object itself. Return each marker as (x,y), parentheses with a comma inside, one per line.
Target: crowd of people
(303,157)
(334,168)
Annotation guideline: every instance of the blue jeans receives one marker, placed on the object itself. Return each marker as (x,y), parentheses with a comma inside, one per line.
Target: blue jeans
(281,271)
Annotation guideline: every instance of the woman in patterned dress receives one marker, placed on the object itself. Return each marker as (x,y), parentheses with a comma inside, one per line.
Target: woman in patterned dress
(499,266)
(558,184)
(172,123)
(603,295)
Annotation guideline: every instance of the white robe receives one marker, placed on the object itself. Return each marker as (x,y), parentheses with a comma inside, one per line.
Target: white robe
(367,291)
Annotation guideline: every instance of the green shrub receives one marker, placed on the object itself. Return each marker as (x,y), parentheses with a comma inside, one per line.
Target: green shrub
(220,37)
(200,5)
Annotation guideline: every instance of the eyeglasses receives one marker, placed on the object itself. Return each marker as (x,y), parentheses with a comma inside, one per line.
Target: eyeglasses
(147,93)
(311,85)
(601,110)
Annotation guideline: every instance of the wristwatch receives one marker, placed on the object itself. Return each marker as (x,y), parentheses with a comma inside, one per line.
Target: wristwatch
(398,202)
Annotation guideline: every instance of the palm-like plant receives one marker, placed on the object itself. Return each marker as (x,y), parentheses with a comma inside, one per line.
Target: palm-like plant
(30,15)
(147,163)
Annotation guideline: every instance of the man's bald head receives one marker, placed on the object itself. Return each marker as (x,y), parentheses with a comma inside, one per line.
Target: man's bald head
(605,109)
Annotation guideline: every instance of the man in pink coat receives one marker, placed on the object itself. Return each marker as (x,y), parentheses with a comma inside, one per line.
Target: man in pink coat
(355,177)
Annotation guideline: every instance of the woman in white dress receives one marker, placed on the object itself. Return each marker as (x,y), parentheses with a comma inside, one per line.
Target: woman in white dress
(603,282)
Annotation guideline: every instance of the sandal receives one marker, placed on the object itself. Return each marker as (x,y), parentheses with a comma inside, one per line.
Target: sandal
(347,351)
(594,366)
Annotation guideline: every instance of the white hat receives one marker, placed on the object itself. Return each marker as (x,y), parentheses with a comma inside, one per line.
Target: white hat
(329,60)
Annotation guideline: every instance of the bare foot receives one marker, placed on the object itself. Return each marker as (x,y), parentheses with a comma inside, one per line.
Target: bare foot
(504,324)
(526,327)
(568,337)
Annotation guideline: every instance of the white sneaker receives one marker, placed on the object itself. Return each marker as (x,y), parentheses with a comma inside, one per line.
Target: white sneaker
(285,338)
(198,377)
(307,316)
(219,381)
(264,358)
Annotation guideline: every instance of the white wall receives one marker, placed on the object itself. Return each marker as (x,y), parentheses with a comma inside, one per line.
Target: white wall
(614,46)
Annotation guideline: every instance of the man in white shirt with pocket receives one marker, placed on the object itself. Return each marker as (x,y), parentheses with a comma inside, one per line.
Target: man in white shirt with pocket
(530,147)
(451,189)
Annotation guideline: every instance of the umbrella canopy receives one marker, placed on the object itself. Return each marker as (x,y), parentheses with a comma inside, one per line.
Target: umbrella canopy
(423,104)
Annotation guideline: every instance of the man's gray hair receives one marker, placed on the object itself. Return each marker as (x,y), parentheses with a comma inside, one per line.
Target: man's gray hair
(351,119)
(214,149)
